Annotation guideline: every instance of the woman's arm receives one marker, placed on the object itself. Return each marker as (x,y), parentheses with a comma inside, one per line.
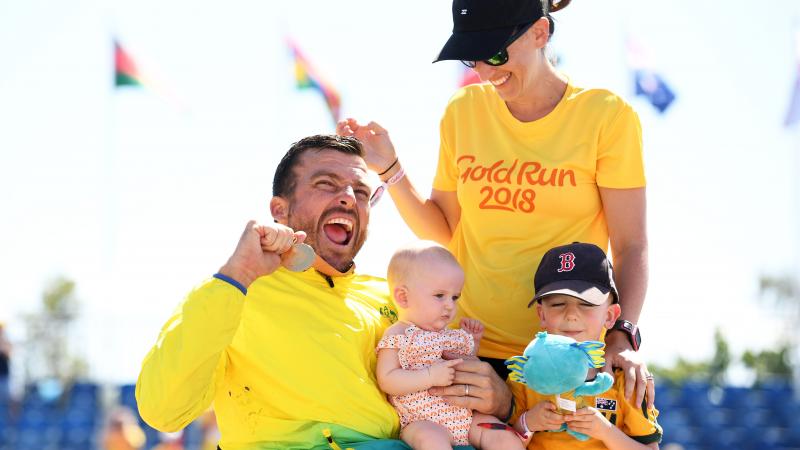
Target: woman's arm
(625,211)
(432,218)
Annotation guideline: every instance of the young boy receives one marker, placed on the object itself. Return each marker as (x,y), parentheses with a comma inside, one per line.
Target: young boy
(575,296)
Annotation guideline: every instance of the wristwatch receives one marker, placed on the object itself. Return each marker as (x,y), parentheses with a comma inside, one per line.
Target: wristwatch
(630,330)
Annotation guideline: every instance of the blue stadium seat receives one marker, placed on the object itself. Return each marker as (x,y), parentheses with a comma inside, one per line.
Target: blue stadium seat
(192,436)
(673,420)
(85,388)
(721,441)
(694,396)
(83,400)
(688,437)
(8,437)
(740,398)
(30,438)
(712,421)
(753,418)
(771,437)
(78,437)
(33,418)
(785,411)
(667,397)
(791,437)
(127,395)
(5,417)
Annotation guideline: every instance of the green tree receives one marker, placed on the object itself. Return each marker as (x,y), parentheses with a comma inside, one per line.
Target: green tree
(682,371)
(783,292)
(769,364)
(718,366)
(48,353)
(712,371)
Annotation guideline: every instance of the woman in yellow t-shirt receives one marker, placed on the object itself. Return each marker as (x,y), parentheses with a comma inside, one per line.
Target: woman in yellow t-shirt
(527,162)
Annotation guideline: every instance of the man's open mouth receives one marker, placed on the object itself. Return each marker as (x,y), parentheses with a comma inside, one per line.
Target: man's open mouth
(338,230)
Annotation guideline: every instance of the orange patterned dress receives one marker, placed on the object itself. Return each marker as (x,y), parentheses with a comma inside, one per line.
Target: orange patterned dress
(419,349)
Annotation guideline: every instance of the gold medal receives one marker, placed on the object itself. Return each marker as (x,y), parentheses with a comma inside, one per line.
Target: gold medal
(299,258)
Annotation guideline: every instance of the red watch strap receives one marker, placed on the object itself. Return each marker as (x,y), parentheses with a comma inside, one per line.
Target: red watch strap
(631,331)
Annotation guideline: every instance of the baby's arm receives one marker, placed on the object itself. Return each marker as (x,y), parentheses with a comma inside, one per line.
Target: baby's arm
(475,328)
(591,422)
(395,380)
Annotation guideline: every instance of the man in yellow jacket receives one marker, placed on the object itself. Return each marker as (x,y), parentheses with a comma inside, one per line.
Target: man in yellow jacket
(288,358)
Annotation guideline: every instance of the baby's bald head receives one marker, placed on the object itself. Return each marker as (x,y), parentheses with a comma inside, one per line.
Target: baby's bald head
(418,259)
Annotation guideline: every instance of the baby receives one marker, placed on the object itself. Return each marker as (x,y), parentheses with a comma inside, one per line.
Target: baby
(425,281)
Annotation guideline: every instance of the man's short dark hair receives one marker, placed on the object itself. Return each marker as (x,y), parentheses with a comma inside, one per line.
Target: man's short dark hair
(284,182)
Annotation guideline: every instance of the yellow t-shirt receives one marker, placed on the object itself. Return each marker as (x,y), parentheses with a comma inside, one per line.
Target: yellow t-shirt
(525,188)
(292,358)
(637,422)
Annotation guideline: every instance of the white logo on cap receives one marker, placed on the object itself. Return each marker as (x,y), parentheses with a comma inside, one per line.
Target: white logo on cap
(463,12)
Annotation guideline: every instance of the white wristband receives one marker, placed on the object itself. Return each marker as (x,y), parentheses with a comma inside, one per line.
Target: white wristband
(394,179)
(527,433)
(380,190)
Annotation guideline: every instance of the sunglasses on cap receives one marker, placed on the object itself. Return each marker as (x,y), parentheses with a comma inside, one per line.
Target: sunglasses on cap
(501,57)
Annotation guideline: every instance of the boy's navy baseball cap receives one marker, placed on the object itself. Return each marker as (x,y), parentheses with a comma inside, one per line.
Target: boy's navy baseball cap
(482,27)
(579,270)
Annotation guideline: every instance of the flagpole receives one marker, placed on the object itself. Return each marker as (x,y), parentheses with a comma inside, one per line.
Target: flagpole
(791,121)
(110,187)
(794,341)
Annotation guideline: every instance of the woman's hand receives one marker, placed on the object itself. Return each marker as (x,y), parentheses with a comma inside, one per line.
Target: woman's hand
(378,148)
(477,386)
(619,354)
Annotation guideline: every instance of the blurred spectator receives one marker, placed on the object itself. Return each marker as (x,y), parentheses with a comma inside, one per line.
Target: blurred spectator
(5,363)
(211,435)
(170,441)
(123,431)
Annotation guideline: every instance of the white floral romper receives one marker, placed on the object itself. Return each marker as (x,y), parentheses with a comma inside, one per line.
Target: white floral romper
(419,349)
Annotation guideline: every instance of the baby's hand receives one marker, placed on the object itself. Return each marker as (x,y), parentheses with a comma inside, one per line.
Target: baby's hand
(473,327)
(443,373)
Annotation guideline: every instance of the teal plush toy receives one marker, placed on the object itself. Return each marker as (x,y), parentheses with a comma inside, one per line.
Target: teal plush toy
(557,365)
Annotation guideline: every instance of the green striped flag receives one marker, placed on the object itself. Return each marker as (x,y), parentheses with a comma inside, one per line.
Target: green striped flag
(125,71)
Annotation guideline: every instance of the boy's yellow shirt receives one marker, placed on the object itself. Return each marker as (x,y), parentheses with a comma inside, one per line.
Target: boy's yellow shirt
(292,358)
(636,421)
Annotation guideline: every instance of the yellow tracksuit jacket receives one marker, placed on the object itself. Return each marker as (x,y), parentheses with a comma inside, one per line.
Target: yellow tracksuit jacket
(294,356)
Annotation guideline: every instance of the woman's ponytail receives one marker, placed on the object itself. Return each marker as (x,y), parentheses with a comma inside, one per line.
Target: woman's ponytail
(557,5)
(551,6)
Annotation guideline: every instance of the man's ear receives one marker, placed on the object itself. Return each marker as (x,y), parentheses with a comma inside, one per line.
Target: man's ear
(279,207)
(400,294)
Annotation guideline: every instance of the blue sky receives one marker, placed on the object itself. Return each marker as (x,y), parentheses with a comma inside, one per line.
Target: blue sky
(138,197)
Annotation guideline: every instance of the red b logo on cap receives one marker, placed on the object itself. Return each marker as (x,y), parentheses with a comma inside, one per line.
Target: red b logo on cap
(567,262)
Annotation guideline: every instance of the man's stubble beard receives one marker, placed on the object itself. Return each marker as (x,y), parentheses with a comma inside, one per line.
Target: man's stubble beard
(313,229)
